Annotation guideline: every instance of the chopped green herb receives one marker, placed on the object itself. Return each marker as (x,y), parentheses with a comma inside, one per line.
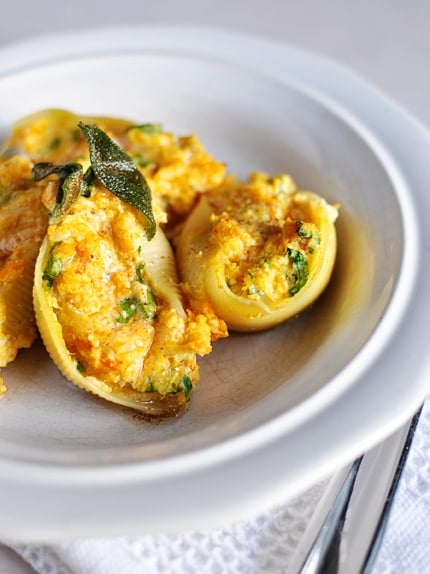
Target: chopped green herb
(140,269)
(129,306)
(186,386)
(54,144)
(252,290)
(150,387)
(141,161)
(79,366)
(300,270)
(303,230)
(148,308)
(171,380)
(4,196)
(53,268)
(116,171)
(75,135)
(150,129)
(128,309)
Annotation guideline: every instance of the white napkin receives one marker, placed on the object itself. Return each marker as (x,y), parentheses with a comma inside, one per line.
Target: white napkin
(406,545)
(263,545)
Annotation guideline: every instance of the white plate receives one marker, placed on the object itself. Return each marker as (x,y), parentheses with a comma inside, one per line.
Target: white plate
(274,411)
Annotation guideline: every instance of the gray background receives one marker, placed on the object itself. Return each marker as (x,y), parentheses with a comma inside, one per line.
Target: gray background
(386,41)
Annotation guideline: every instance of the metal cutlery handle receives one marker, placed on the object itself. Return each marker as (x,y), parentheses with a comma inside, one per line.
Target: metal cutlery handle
(348,525)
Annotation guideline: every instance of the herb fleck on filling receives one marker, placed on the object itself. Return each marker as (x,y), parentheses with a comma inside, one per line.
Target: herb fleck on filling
(300,273)
(53,268)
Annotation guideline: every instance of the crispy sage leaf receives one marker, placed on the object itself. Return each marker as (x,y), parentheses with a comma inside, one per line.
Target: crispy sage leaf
(115,169)
(69,185)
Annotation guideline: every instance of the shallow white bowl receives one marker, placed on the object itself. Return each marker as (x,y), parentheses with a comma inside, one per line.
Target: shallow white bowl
(274,411)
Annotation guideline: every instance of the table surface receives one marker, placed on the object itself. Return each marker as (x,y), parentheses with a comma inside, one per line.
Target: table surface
(386,41)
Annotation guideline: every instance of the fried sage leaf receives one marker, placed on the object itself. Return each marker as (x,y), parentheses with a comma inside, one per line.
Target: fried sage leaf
(69,183)
(118,173)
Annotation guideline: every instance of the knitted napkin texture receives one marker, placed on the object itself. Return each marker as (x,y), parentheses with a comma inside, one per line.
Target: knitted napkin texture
(406,545)
(263,544)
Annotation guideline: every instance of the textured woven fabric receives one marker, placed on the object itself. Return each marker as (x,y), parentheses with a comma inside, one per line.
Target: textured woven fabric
(406,545)
(263,545)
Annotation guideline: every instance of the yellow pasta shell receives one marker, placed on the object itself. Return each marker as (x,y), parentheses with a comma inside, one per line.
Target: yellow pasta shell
(160,263)
(202,267)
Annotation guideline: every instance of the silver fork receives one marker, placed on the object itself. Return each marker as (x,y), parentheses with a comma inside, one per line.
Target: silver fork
(347,528)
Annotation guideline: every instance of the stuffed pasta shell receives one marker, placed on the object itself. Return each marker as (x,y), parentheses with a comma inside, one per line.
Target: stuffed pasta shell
(105,290)
(177,167)
(254,254)
(23,223)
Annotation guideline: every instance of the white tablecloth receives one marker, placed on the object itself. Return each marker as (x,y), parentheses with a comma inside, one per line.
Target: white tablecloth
(264,544)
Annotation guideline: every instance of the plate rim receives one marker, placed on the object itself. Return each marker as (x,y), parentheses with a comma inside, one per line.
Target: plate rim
(303,410)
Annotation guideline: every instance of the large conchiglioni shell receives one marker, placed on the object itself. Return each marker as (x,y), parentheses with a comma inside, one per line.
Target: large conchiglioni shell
(202,266)
(160,264)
